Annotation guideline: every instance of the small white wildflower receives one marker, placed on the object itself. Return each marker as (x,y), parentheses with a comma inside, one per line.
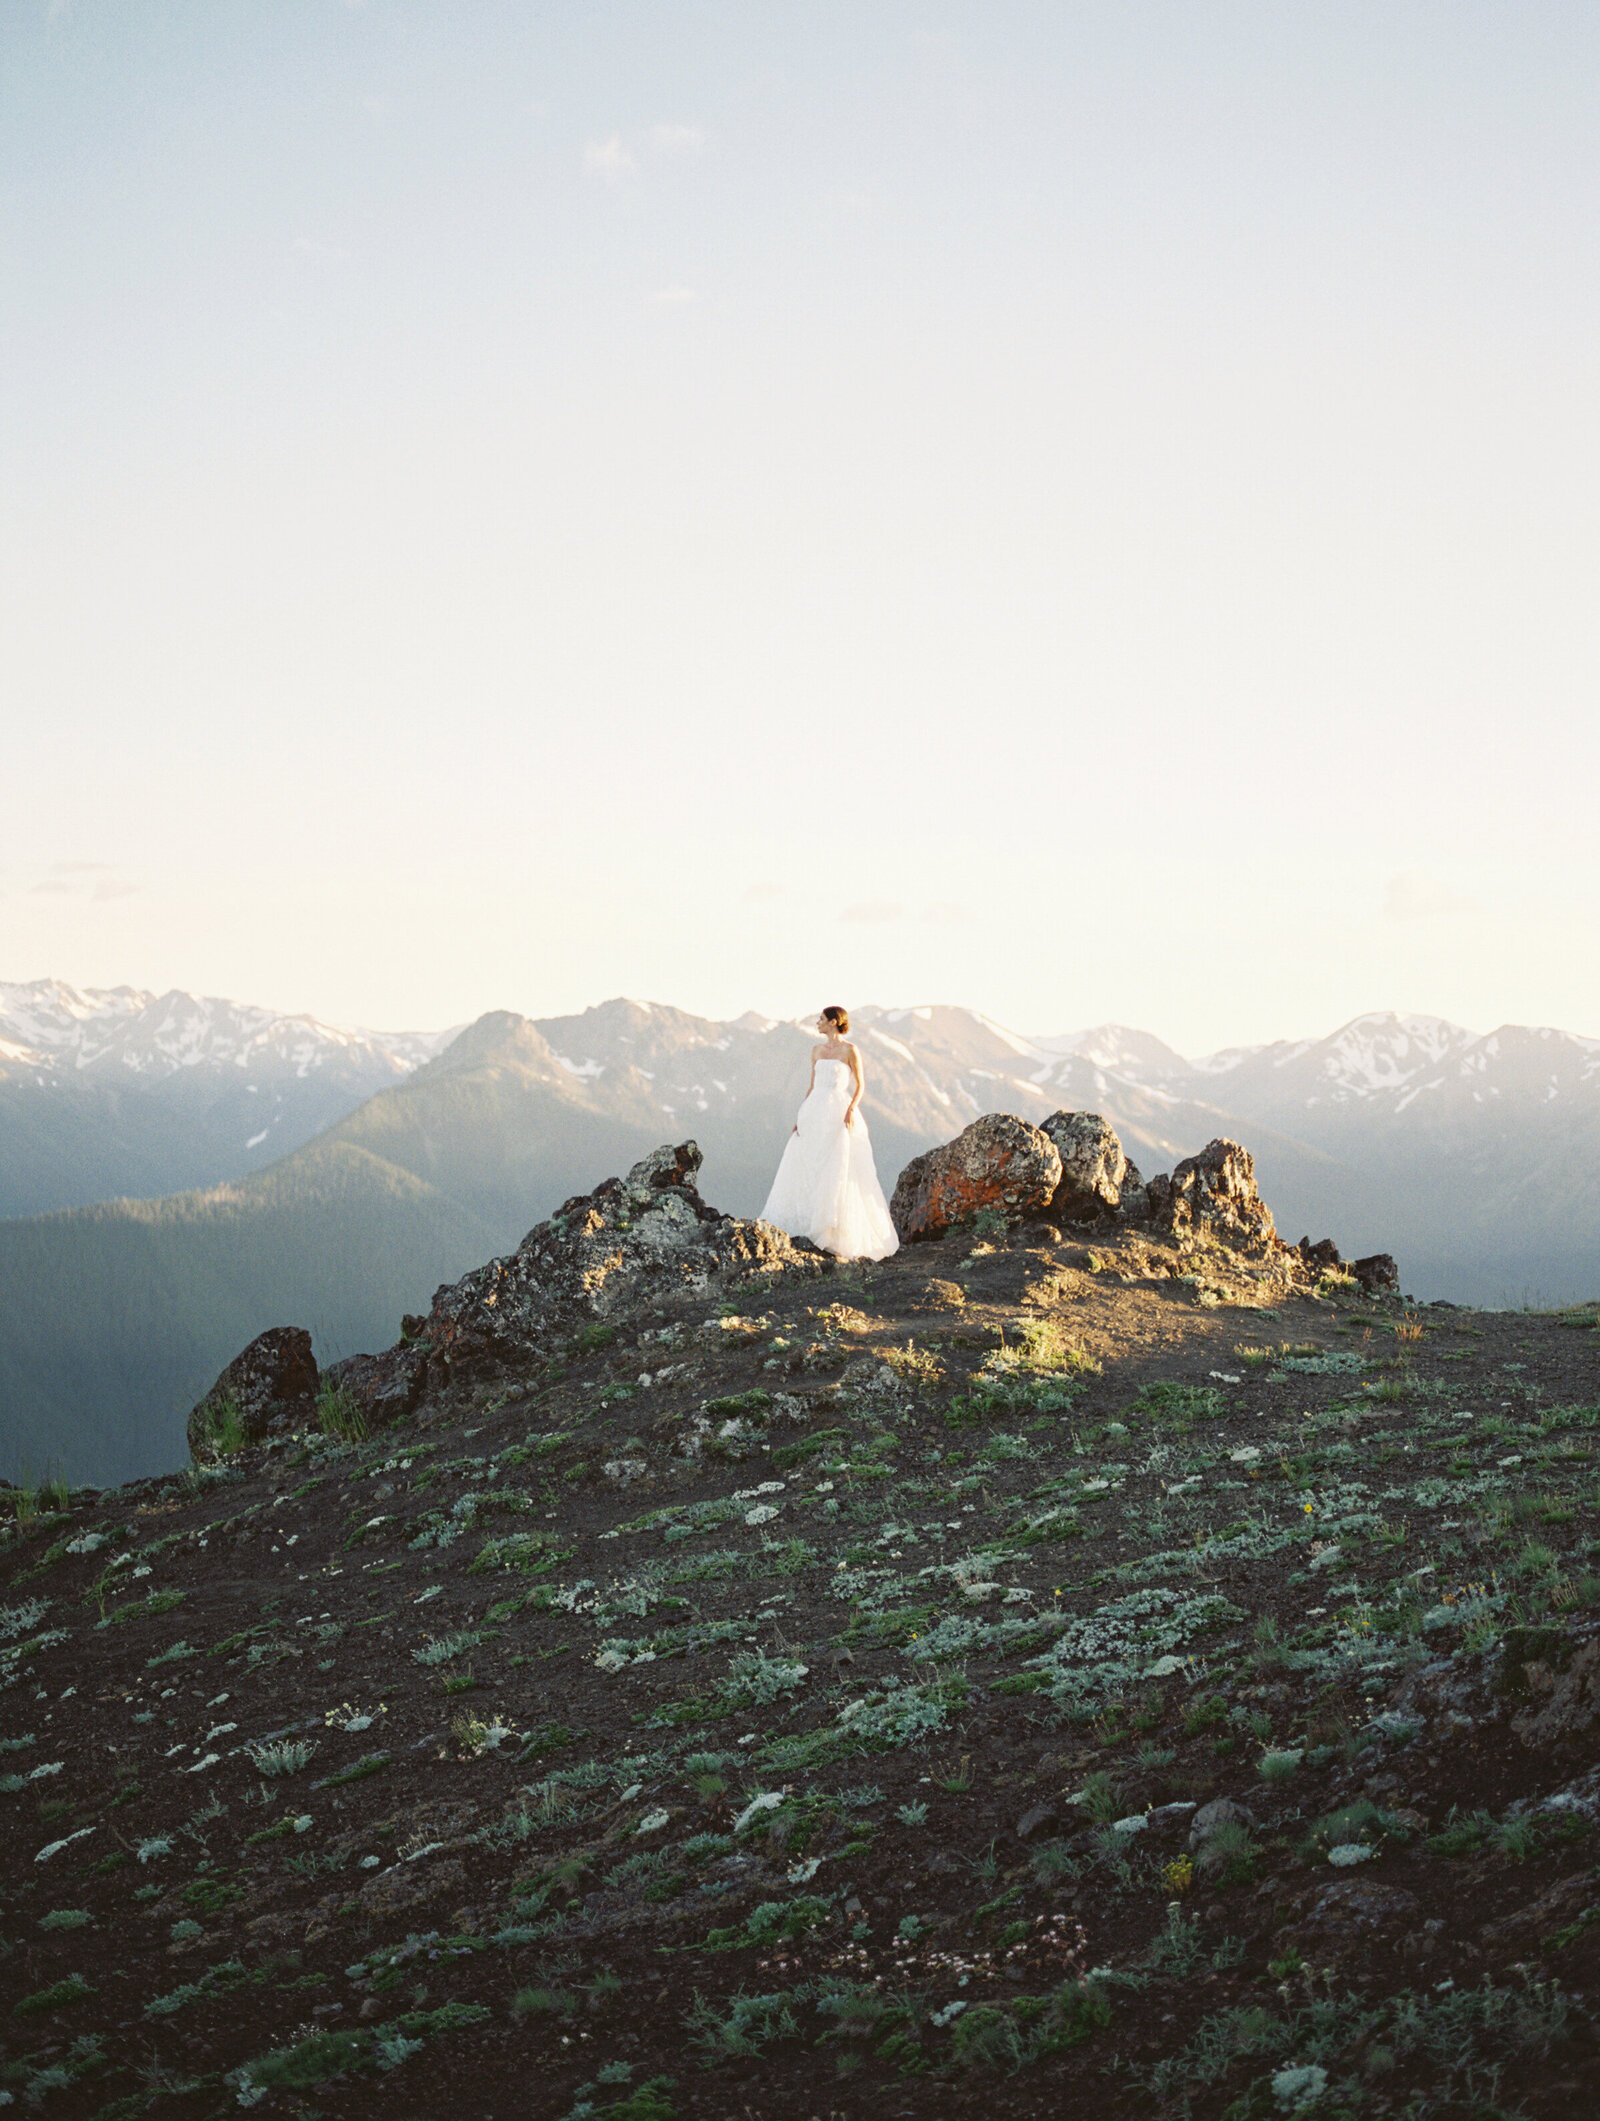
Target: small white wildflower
(86,1543)
(763,1513)
(1135,1823)
(1350,1852)
(653,1821)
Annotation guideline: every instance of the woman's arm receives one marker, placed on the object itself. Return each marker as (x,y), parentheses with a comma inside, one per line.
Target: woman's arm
(855,1070)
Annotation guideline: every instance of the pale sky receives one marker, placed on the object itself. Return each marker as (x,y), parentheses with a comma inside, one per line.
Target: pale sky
(1086,511)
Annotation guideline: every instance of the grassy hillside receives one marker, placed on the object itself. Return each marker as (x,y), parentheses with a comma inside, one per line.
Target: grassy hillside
(1051,1696)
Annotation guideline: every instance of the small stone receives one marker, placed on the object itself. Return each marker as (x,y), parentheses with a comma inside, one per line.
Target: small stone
(1220,1812)
(1169,1818)
(1038,1819)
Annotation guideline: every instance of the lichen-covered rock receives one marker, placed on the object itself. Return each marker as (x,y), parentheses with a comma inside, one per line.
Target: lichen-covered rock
(999,1163)
(598,1253)
(385,1388)
(1134,1205)
(265,1390)
(1092,1166)
(1215,1192)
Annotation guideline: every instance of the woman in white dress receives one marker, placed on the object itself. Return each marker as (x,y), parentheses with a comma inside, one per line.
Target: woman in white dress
(827,1184)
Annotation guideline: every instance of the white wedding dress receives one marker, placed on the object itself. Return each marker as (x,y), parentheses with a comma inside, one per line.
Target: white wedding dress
(827,1184)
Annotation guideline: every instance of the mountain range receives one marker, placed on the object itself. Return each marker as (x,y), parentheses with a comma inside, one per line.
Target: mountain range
(112,1090)
(293,1172)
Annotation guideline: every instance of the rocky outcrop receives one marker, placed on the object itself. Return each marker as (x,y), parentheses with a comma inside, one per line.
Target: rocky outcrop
(1093,1166)
(385,1388)
(599,1253)
(266,1389)
(1377,1273)
(1000,1164)
(1215,1194)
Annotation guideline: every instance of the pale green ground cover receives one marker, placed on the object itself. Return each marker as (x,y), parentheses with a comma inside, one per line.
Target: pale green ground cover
(1033,1549)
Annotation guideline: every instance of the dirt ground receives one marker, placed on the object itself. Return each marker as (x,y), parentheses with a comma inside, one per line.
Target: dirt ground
(806,1700)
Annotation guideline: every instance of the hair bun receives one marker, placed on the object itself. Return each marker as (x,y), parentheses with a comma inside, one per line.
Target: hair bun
(839,1018)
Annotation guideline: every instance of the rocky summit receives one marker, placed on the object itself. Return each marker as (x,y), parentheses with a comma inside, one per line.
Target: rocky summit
(1104,1660)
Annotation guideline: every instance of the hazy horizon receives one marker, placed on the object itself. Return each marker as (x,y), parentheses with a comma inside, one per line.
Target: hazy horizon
(1090,509)
(1032,1036)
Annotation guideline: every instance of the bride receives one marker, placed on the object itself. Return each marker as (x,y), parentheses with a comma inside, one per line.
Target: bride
(827,1185)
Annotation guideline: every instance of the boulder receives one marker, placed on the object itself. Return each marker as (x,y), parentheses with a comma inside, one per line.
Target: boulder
(266,1389)
(1215,1193)
(1134,1206)
(1323,1257)
(1000,1164)
(628,1241)
(1092,1166)
(1378,1273)
(385,1388)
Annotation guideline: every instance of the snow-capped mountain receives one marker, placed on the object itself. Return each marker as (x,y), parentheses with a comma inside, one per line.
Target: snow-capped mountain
(112,1090)
(45,1024)
(1378,1065)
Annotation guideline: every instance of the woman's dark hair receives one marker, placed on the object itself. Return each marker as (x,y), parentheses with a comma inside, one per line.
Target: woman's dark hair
(839,1018)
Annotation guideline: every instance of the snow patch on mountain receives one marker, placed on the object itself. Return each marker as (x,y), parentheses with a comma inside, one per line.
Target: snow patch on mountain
(126,1031)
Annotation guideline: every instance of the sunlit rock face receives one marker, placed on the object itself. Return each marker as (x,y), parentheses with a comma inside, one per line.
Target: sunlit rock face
(1000,1164)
